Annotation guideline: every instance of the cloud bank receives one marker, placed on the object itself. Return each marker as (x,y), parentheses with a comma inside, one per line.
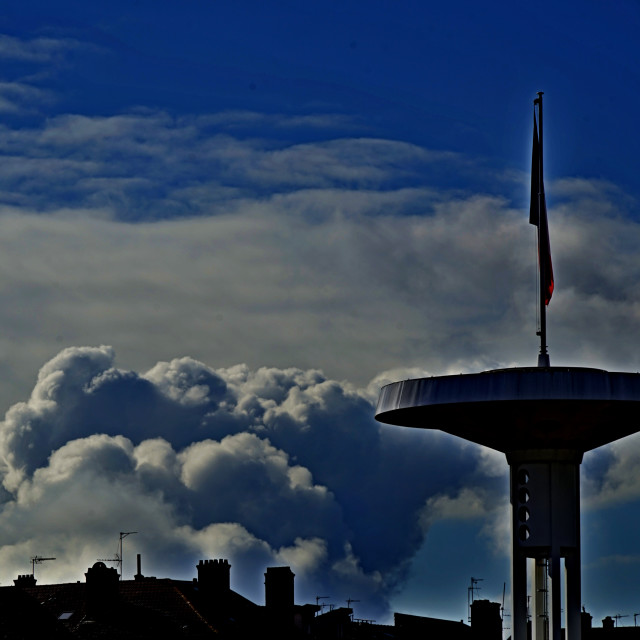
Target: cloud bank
(263,466)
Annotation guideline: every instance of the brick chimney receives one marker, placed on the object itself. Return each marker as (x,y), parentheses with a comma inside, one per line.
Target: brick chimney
(214,576)
(27,580)
(139,575)
(102,589)
(278,588)
(486,623)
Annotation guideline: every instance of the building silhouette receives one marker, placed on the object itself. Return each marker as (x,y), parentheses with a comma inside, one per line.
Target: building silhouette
(103,606)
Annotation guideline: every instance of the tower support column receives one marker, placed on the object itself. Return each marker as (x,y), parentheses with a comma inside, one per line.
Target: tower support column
(573,605)
(539,599)
(545,496)
(518,593)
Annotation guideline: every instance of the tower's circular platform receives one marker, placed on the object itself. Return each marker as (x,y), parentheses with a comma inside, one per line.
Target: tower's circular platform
(520,408)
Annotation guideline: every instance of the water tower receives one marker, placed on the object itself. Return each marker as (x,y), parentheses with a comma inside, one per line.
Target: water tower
(543,418)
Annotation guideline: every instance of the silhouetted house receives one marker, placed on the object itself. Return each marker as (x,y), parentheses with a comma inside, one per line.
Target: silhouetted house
(23,616)
(334,624)
(145,608)
(409,626)
(608,631)
(141,609)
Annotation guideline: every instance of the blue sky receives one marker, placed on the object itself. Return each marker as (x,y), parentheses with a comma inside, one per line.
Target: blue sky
(224,225)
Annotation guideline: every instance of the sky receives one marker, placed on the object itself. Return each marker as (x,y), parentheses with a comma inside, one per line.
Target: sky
(224,226)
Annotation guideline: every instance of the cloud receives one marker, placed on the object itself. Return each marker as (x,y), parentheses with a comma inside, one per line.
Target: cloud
(331,262)
(482,503)
(266,466)
(19,96)
(279,301)
(468,504)
(342,253)
(40,50)
(611,474)
(147,164)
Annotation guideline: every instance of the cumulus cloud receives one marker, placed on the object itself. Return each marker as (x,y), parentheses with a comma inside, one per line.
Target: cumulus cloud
(266,466)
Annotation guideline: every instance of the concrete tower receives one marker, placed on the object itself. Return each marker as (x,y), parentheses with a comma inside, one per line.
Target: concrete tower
(543,418)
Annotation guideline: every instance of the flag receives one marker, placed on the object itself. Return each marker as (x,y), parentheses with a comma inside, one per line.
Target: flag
(538,215)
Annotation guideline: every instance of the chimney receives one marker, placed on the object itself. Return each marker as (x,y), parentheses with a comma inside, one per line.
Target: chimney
(27,580)
(486,623)
(608,623)
(139,575)
(278,588)
(102,589)
(214,576)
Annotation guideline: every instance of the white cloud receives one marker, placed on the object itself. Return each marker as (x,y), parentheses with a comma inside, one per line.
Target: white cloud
(338,254)
(468,504)
(305,555)
(473,503)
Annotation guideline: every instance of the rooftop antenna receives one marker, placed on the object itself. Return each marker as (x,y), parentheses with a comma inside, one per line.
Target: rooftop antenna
(470,593)
(321,606)
(538,217)
(123,534)
(118,558)
(618,616)
(37,560)
(349,601)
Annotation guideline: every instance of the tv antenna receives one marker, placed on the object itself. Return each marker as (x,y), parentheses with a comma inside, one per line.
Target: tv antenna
(618,616)
(470,592)
(118,558)
(37,560)
(321,606)
(349,601)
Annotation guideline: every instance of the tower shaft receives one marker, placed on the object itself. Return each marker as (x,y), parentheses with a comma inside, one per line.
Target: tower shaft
(545,508)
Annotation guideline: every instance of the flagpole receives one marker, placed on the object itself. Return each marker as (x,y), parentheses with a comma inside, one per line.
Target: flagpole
(543,356)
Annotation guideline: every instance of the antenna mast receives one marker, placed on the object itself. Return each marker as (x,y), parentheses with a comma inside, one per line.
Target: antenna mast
(123,534)
(471,591)
(37,560)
